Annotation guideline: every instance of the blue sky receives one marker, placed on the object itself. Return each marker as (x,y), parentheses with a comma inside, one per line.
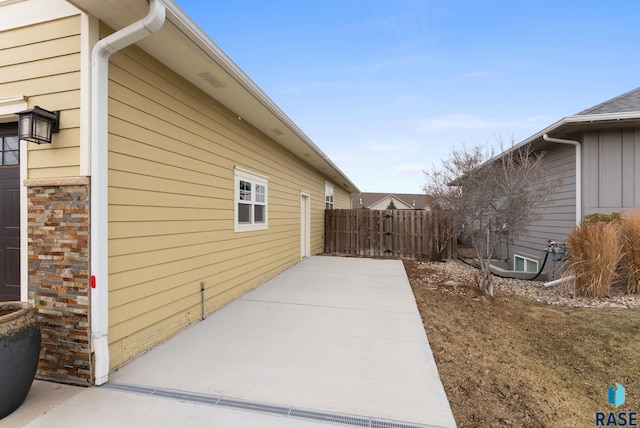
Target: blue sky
(387,87)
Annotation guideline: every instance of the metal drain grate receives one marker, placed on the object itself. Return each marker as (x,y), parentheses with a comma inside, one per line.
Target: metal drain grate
(315,415)
(258,407)
(292,412)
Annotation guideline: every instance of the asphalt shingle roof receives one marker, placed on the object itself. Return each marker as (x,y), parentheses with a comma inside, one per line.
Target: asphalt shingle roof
(629,101)
(417,200)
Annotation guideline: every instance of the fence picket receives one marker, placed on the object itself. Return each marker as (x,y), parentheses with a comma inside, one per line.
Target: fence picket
(379,233)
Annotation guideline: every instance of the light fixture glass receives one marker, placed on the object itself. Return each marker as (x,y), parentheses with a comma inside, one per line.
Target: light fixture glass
(37,125)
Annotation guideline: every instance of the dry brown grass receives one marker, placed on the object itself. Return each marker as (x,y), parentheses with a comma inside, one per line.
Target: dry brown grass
(630,236)
(508,361)
(594,253)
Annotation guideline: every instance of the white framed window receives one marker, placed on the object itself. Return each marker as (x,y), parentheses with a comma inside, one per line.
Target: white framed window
(328,195)
(524,264)
(251,197)
(9,144)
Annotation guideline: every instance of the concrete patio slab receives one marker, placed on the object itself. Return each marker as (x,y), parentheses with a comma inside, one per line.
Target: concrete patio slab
(330,333)
(42,398)
(329,342)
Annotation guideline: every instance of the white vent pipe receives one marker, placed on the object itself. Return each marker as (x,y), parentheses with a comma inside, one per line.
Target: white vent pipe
(99,176)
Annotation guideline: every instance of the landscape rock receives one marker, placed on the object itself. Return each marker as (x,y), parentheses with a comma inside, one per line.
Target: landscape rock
(455,272)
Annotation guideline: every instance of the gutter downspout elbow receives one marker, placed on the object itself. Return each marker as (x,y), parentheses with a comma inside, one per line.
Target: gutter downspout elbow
(99,176)
(578,147)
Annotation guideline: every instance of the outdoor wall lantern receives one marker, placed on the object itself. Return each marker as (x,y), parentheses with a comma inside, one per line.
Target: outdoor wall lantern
(37,125)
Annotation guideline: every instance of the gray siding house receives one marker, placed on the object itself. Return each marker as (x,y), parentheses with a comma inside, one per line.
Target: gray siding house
(596,153)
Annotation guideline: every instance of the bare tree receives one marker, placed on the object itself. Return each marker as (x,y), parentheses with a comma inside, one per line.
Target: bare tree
(444,231)
(489,197)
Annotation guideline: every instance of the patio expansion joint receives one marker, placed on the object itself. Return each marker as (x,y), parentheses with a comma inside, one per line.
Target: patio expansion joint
(346,308)
(264,408)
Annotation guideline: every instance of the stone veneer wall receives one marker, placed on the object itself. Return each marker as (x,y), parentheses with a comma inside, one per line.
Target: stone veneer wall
(58,248)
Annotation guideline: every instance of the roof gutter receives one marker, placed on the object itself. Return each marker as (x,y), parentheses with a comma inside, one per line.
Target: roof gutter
(99,179)
(578,147)
(604,117)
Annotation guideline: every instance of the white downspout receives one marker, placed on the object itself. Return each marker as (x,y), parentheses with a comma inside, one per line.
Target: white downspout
(99,176)
(578,147)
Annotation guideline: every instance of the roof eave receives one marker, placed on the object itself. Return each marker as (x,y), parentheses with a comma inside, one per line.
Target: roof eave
(257,108)
(576,119)
(179,18)
(604,117)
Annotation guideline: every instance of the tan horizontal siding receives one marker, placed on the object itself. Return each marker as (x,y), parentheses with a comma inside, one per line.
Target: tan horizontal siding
(54,52)
(54,172)
(42,62)
(341,198)
(47,85)
(33,34)
(67,102)
(172,154)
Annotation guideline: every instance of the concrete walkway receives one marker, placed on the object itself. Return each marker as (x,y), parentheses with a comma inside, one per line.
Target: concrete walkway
(330,341)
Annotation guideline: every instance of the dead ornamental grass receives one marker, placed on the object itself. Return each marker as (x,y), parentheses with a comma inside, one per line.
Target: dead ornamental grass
(594,254)
(630,237)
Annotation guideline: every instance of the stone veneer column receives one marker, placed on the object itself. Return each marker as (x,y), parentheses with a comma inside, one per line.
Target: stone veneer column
(58,248)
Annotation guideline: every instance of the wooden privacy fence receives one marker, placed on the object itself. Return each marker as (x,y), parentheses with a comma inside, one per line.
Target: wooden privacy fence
(389,233)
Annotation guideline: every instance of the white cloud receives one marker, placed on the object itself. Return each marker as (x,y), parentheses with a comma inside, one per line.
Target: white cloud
(470,121)
(538,119)
(344,158)
(300,87)
(459,121)
(408,169)
(399,146)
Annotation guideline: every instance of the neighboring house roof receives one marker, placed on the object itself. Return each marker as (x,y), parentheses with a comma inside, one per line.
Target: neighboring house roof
(627,102)
(411,200)
(183,47)
(618,112)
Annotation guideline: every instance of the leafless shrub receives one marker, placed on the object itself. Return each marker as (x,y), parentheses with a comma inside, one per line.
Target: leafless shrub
(488,196)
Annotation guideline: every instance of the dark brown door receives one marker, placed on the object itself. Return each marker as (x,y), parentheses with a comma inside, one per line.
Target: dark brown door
(9,212)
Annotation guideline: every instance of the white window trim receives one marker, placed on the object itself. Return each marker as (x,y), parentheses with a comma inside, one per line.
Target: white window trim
(526,260)
(329,191)
(242,174)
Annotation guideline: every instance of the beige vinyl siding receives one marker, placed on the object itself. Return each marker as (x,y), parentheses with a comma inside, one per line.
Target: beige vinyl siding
(172,155)
(42,62)
(341,198)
